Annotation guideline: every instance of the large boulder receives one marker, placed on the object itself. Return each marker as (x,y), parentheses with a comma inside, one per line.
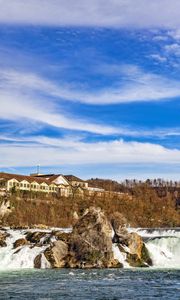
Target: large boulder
(136,251)
(119,223)
(91,241)
(135,244)
(56,254)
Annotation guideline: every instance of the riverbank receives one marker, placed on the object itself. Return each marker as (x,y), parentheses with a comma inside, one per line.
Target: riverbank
(94,242)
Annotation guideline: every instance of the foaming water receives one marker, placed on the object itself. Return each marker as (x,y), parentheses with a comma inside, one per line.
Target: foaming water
(163,246)
(21,257)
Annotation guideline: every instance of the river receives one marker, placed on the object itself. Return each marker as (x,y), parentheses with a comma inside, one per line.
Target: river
(19,279)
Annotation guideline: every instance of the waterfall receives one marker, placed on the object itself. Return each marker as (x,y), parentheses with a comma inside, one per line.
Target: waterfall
(21,257)
(163,246)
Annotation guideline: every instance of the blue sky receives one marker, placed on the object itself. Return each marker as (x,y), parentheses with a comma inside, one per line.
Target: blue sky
(90,88)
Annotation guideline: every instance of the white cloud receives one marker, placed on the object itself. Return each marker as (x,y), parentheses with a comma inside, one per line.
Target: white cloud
(69,152)
(28,96)
(173,49)
(158,58)
(134,85)
(19,100)
(175,34)
(18,107)
(112,13)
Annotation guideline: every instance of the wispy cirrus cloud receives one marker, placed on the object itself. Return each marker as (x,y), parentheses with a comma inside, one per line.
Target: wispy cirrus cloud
(22,96)
(18,108)
(132,85)
(29,96)
(114,13)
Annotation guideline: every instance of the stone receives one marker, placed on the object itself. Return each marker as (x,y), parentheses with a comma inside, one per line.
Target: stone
(119,222)
(91,241)
(59,235)
(37,261)
(3,236)
(5,208)
(135,244)
(145,256)
(35,237)
(20,242)
(135,261)
(138,255)
(56,254)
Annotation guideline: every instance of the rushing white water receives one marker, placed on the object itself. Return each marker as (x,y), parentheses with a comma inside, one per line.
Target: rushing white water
(163,246)
(22,256)
(120,256)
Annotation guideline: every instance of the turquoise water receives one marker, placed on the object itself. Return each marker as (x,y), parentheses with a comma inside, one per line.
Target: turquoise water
(109,284)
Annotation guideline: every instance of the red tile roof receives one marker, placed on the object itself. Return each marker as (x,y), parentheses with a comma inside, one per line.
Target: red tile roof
(8,176)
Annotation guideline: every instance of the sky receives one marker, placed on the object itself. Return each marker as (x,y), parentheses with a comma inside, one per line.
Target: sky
(90,88)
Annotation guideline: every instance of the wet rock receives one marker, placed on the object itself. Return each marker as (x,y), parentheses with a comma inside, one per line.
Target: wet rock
(59,235)
(114,263)
(37,261)
(135,261)
(56,254)
(145,256)
(35,237)
(135,244)
(118,222)
(20,242)
(3,236)
(136,251)
(91,241)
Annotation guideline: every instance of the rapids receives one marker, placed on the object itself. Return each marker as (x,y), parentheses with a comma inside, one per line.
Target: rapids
(163,246)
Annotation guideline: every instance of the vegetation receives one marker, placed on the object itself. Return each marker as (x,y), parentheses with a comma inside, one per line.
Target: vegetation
(141,204)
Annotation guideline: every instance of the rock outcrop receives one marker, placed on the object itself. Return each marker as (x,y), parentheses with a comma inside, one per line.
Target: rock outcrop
(5,208)
(56,254)
(137,254)
(91,241)
(119,223)
(130,243)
